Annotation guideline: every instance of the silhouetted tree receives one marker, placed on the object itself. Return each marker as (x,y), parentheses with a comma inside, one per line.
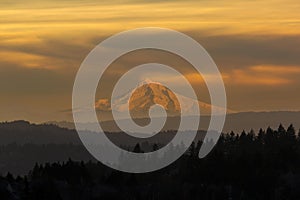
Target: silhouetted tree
(137,149)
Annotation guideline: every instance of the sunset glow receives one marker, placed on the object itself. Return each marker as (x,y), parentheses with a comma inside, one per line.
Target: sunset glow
(254,43)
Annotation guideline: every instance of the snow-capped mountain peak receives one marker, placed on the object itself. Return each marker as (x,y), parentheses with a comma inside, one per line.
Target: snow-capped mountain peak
(149,93)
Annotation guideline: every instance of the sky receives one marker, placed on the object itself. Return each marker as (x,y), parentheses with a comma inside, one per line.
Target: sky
(255,44)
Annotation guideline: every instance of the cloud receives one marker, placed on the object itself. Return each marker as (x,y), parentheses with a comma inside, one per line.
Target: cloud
(238,51)
(254,43)
(27,60)
(214,17)
(31,82)
(103,105)
(67,31)
(278,70)
(263,75)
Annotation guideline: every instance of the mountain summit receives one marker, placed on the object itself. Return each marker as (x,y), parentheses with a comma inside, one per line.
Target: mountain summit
(149,93)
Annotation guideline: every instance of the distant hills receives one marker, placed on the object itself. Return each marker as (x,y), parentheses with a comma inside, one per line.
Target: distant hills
(236,122)
(22,132)
(22,144)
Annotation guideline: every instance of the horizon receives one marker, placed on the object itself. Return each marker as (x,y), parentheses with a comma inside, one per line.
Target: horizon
(236,122)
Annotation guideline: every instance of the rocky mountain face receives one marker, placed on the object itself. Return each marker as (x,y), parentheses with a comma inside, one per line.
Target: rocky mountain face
(140,100)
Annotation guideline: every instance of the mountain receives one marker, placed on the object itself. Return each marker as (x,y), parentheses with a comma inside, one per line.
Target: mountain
(149,93)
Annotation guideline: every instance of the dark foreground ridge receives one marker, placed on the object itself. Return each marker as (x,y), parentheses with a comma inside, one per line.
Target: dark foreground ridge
(23,144)
(263,165)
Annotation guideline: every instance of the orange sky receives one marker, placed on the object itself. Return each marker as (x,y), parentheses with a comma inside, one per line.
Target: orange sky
(254,43)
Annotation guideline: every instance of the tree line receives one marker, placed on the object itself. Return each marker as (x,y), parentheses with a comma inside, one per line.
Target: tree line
(248,165)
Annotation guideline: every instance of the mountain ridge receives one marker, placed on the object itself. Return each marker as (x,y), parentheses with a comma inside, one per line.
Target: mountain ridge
(236,122)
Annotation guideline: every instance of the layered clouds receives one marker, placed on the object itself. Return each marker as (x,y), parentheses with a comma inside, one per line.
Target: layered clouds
(42,43)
